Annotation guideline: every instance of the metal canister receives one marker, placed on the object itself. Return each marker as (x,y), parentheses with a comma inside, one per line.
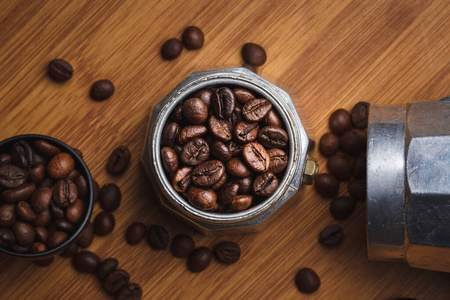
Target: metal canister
(300,169)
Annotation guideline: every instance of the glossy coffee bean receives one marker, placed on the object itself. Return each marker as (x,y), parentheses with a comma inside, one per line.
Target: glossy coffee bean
(56,210)
(119,160)
(182,245)
(327,185)
(340,166)
(189,132)
(7,215)
(273,119)
(205,96)
(278,160)
(360,166)
(41,234)
(353,142)
(7,238)
(221,129)
(47,182)
(202,198)
(253,54)
(104,223)
(12,176)
(38,247)
(41,199)
(227,252)
(208,173)
(177,114)
(234,148)
(101,90)
(76,211)
(256,110)
(106,267)
(86,236)
(60,165)
(360,115)
(25,212)
(110,197)
(195,111)
(307,281)
(220,182)
(220,151)
(131,291)
(357,188)
(182,179)
(135,233)
(64,192)
(44,218)
(245,184)
(19,193)
(265,184)
(243,95)
(85,262)
(256,157)
(38,159)
(340,122)
(240,202)
(328,144)
(246,132)
(194,152)
(22,154)
(331,235)
(45,149)
(23,233)
(170,134)
(5,159)
(236,167)
(223,102)
(20,249)
(199,259)
(171,49)
(72,175)
(192,38)
(157,237)
(56,239)
(227,192)
(169,159)
(36,174)
(70,251)
(342,207)
(115,281)
(60,70)
(82,186)
(273,137)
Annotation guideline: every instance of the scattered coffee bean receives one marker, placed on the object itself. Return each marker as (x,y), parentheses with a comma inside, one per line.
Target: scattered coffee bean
(106,267)
(307,281)
(192,38)
(7,238)
(328,144)
(60,70)
(157,237)
(115,281)
(340,122)
(253,54)
(85,262)
(327,185)
(86,236)
(102,90)
(357,188)
(331,235)
(110,197)
(199,259)
(132,291)
(182,245)
(104,223)
(227,252)
(353,142)
(340,166)
(171,49)
(119,160)
(342,207)
(135,233)
(360,115)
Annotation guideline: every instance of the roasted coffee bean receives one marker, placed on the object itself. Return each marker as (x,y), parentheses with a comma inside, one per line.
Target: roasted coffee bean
(208,173)
(76,211)
(41,199)
(342,207)
(327,185)
(20,193)
(41,234)
(220,151)
(23,233)
(60,70)
(199,259)
(331,235)
(360,166)
(70,251)
(115,281)
(86,236)
(119,160)
(256,157)
(227,192)
(46,149)
(240,202)
(38,247)
(135,233)
(307,281)
(189,132)
(38,160)
(5,159)
(329,144)
(273,119)
(236,116)
(47,182)
(7,215)
(60,165)
(24,212)
(253,54)
(177,114)
(256,109)
(110,197)
(170,134)
(353,141)
(22,154)
(44,218)
(64,192)
(340,166)
(56,210)
(273,137)
(223,102)
(6,237)
(169,159)
(56,239)
(102,90)
(12,176)
(85,262)
(44,262)
(227,252)
(245,184)
(357,188)
(82,186)
(340,122)
(204,199)
(106,267)
(246,132)
(195,111)
(192,38)
(265,184)
(243,95)
(74,174)
(36,174)
(20,249)
(194,152)
(360,115)
(237,167)
(221,129)
(278,160)
(104,223)
(220,182)
(182,245)
(235,148)
(205,96)
(157,237)
(182,179)
(171,49)
(131,291)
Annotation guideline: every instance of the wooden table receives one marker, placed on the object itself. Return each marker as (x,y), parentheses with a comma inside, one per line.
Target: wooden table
(328,54)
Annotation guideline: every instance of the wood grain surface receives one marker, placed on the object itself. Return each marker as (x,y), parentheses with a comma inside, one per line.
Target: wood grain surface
(328,54)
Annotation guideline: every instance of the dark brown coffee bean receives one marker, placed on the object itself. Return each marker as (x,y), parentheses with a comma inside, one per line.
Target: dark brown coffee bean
(56,210)
(307,281)
(104,223)
(115,281)
(171,49)
(227,252)
(245,184)
(12,176)
(76,211)
(41,199)
(169,159)
(5,159)
(238,168)
(240,202)
(106,267)
(64,192)
(86,236)
(118,161)
(331,235)
(328,144)
(60,70)
(24,212)
(360,166)
(38,247)
(357,188)
(157,237)
(6,237)
(246,132)
(132,291)
(110,197)
(243,95)
(340,122)
(22,154)
(195,152)
(47,182)
(135,233)
(340,166)
(253,54)
(278,160)
(235,148)
(205,96)
(220,182)
(256,157)
(199,259)
(208,173)
(41,234)
(56,239)
(177,114)
(327,185)
(182,179)
(189,132)
(273,119)
(85,262)
(102,90)
(273,137)
(353,141)
(23,233)
(70,251)
(265,184)
(221,129)
(82,186)
(170,134)
(220,151)
(182,245)
(342,207)
(36,174)
(20,249)
(19,193)
(195,111)
(227,192)
(44,218)
(360,115)
(38,160)
(7,215)
(204,199)
(44,262)
(192,38)
(236,116)
(46,149)
(60,165)
(255,110)
(223,102)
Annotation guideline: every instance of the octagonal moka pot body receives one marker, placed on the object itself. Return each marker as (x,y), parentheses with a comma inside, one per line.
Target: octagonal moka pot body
(408,184)
(300,169)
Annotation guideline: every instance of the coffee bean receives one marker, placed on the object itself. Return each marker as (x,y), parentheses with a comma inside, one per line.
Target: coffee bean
(20,249)
(240,202)
(85,262)
(327,185)
(265,184)
(221,129)
(135,233)
(273,137)
(199,259)
(60,165)
(340,166)
(182,245)
(169,159)
(106,267)
(246,132)
(220,182)
(104,223)
(223,102)
(22,154)
(86,236)
(7,215)
(342,207)
(227,192)
(115,281)
(307,281)
(360,166)
(189,132)
(157,237)
(72,175)
(46,149)
(235,148)
(6,237)
(353,141)
(195,111)
(44,262)
(170,134)
(56,239)
(41,234)
(70,251)
(278,160)
(64,192)
(24,212)
(331,235)
(245,184)
(82,186)
(36,174)
(195,152)
(357,188)
(204,199)
(177,114)
(340,122)
(256,109)
(132,291)
(23,233)
(253,54)
(38,247)
(102,90)
(182,179)
(227,252)
(273,119)
(220,151)
(237,167)
(192,38)
(19,193)
(60,70)
(5,159)
(56,210)
(256,157)
(243,95)
(12,176)
(44,218)
(171,49)
(208,173)
(119,160)
(205,96)
(41,199)
(328,144)
(360,115)
(110,197)
(76,211)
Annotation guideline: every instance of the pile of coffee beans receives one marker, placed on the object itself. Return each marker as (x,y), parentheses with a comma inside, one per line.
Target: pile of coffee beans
(192,39)
(224,149)
(43,196)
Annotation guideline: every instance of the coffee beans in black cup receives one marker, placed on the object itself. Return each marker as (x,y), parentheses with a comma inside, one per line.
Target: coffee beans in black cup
(104,223)
(193,38)
(60,70)
(106,267)
(171,49)
(307,281)
(353,142)
(116,281)
(102,90)
(86,262)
